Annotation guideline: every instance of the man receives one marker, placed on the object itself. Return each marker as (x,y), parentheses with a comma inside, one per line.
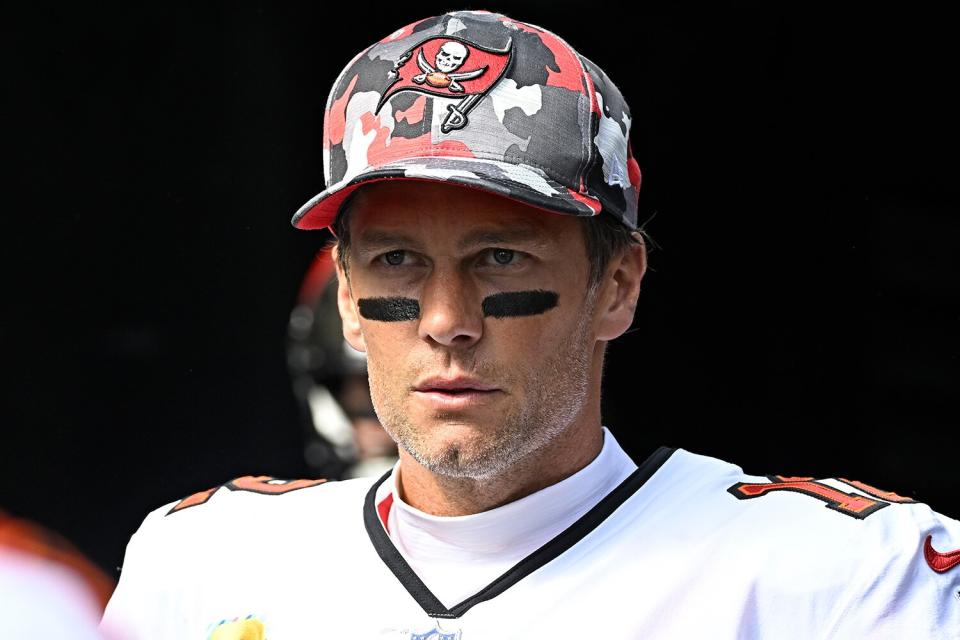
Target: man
(484,197)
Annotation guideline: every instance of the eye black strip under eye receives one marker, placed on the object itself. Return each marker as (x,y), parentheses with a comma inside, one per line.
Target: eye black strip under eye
(510,304)
(389,309)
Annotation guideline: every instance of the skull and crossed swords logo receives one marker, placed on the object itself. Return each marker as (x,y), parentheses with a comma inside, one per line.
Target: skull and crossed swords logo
(443,77)
(450,58)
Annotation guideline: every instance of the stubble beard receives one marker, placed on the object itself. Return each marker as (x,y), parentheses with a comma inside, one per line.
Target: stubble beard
(556,394)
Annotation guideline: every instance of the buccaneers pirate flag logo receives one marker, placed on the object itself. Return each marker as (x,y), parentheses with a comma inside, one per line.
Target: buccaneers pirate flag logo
(448,68)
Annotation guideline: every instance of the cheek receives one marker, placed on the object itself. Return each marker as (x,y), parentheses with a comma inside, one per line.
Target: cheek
(530,339)
(378,338)
(388,344)
(381,374)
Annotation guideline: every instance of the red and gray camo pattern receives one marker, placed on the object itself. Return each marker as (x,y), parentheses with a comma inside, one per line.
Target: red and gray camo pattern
(480,100)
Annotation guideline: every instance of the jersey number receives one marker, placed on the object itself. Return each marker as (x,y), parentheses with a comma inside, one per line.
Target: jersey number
(255,484)
(851,504)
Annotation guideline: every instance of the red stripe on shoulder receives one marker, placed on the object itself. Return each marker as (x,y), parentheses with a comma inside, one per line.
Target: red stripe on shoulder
(940,562)
(266,485)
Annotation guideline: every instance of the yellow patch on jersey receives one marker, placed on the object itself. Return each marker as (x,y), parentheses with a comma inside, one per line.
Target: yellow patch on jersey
(246,629)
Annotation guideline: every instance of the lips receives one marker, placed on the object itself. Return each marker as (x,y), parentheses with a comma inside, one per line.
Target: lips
(453,385)
(452,393)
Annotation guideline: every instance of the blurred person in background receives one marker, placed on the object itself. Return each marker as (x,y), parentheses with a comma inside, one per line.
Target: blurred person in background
(343,437)
(48,590)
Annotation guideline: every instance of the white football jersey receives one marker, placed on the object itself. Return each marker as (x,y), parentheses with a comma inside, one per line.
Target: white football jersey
(686,546)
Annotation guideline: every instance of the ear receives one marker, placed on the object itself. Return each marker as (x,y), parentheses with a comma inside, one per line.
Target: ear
(349,315)
(619,291)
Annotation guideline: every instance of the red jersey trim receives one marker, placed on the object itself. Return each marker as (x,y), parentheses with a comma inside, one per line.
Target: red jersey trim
(940,562)
(383,510)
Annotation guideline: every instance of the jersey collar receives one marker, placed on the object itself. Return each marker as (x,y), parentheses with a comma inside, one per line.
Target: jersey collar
(542,556)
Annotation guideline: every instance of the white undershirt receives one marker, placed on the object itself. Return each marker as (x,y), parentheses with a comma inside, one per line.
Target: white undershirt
(459,555)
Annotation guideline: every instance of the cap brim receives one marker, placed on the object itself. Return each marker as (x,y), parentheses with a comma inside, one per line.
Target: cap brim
(518,182)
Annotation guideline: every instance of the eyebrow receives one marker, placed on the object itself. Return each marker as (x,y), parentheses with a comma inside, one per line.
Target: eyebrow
(524,234)
(374,239)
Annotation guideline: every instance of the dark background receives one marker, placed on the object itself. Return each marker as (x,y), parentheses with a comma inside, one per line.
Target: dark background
(800,316)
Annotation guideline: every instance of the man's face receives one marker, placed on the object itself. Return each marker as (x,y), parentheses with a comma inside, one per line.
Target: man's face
(466,381)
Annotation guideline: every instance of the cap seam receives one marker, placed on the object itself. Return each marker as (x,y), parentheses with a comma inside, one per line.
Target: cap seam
(590,158)
(613,84)
(586,142)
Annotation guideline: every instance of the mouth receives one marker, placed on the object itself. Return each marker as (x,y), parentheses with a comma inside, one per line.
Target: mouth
(454,393)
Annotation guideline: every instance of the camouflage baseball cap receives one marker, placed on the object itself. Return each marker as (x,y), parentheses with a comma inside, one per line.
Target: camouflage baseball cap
(480,100)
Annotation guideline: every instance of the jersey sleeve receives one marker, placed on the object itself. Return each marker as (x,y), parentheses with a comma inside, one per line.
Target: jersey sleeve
(912,590)
(182,563)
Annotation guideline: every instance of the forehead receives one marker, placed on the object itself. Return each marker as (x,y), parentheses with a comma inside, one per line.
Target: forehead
(439,211)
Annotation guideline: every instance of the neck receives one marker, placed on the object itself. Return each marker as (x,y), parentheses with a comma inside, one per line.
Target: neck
(566,454)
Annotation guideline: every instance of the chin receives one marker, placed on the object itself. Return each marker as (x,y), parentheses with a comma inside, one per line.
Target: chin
(457,428)
(461,450)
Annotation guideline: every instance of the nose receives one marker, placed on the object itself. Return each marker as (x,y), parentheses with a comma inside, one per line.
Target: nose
(450,315)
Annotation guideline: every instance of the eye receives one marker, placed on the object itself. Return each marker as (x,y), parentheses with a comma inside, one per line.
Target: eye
(394,258)
(500,258)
